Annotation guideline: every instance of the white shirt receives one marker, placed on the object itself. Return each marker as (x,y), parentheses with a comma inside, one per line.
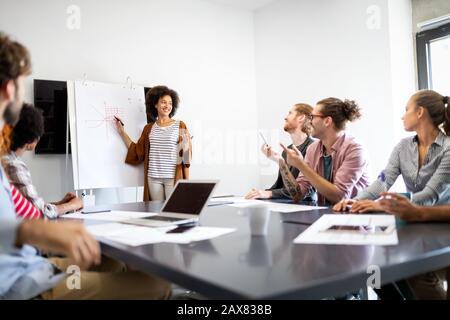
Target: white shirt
(163,150)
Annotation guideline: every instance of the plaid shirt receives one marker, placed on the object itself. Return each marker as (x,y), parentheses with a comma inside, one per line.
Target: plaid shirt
(19,175)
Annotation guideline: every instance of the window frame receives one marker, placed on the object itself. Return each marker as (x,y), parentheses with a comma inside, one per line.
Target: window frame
(423,40)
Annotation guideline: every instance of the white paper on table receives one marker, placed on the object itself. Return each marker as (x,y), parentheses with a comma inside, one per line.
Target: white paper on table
(315,233)
(128,234)
(288,207)
(137,235)
(240,202)
(110,215)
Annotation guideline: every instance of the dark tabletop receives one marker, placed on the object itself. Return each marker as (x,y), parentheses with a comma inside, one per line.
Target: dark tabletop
(239,266)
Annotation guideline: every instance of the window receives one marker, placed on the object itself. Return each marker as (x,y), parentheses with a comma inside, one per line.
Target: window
(433,59)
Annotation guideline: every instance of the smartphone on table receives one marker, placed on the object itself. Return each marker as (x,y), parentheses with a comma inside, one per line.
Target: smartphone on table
(181,229)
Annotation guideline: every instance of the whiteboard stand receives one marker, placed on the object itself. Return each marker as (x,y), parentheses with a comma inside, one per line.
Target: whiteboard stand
(66,171)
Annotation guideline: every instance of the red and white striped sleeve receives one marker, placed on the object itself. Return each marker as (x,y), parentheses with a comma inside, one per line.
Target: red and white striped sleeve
(24,208)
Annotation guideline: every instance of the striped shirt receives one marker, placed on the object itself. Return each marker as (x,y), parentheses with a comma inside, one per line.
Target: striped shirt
(430,184)
(24,208)
(19,175)
(163,151)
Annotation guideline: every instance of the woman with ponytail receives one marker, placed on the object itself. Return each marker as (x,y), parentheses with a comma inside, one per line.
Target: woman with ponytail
(446,125)
(423,160)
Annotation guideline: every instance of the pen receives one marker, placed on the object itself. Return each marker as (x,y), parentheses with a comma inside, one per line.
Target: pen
(220,203)
(264,139)
(98,211)
(119,120)
(296,222)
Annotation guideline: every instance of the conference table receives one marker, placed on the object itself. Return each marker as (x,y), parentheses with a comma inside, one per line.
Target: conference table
(240,266)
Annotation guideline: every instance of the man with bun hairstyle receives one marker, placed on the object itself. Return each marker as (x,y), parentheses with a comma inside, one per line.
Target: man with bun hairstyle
(336,165)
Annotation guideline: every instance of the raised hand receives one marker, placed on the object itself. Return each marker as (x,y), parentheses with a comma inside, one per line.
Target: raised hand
(269,153)
(293,156)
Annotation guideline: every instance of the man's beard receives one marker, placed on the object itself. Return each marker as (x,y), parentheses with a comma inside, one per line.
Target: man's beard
(314,133)
(12,113)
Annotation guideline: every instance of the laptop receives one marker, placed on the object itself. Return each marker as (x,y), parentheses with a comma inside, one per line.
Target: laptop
(184,205)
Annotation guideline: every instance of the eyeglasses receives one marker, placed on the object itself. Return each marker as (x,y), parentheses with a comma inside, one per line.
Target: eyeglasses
(311,116)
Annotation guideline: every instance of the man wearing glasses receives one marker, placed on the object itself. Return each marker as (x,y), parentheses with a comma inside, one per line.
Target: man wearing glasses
(336,165)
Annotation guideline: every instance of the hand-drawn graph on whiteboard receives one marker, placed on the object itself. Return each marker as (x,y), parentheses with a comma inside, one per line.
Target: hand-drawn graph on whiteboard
(100,151)
(105,118)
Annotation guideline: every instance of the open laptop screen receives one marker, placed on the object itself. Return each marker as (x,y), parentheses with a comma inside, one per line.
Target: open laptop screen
(189,198)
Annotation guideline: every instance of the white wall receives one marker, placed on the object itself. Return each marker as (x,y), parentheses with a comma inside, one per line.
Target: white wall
(309,50)
(402,63)
(203,50)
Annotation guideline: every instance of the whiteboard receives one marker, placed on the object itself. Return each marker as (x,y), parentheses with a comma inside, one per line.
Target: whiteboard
(98,152)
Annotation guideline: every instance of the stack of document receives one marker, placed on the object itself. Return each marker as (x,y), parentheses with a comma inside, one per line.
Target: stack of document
(136,235)
(133,235)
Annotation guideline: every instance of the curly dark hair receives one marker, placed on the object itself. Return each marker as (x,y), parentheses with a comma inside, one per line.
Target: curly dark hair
(152,98)
(14,60)
(340,111)
(29,128)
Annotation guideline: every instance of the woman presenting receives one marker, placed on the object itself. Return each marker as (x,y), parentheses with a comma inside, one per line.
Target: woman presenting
(164,146)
